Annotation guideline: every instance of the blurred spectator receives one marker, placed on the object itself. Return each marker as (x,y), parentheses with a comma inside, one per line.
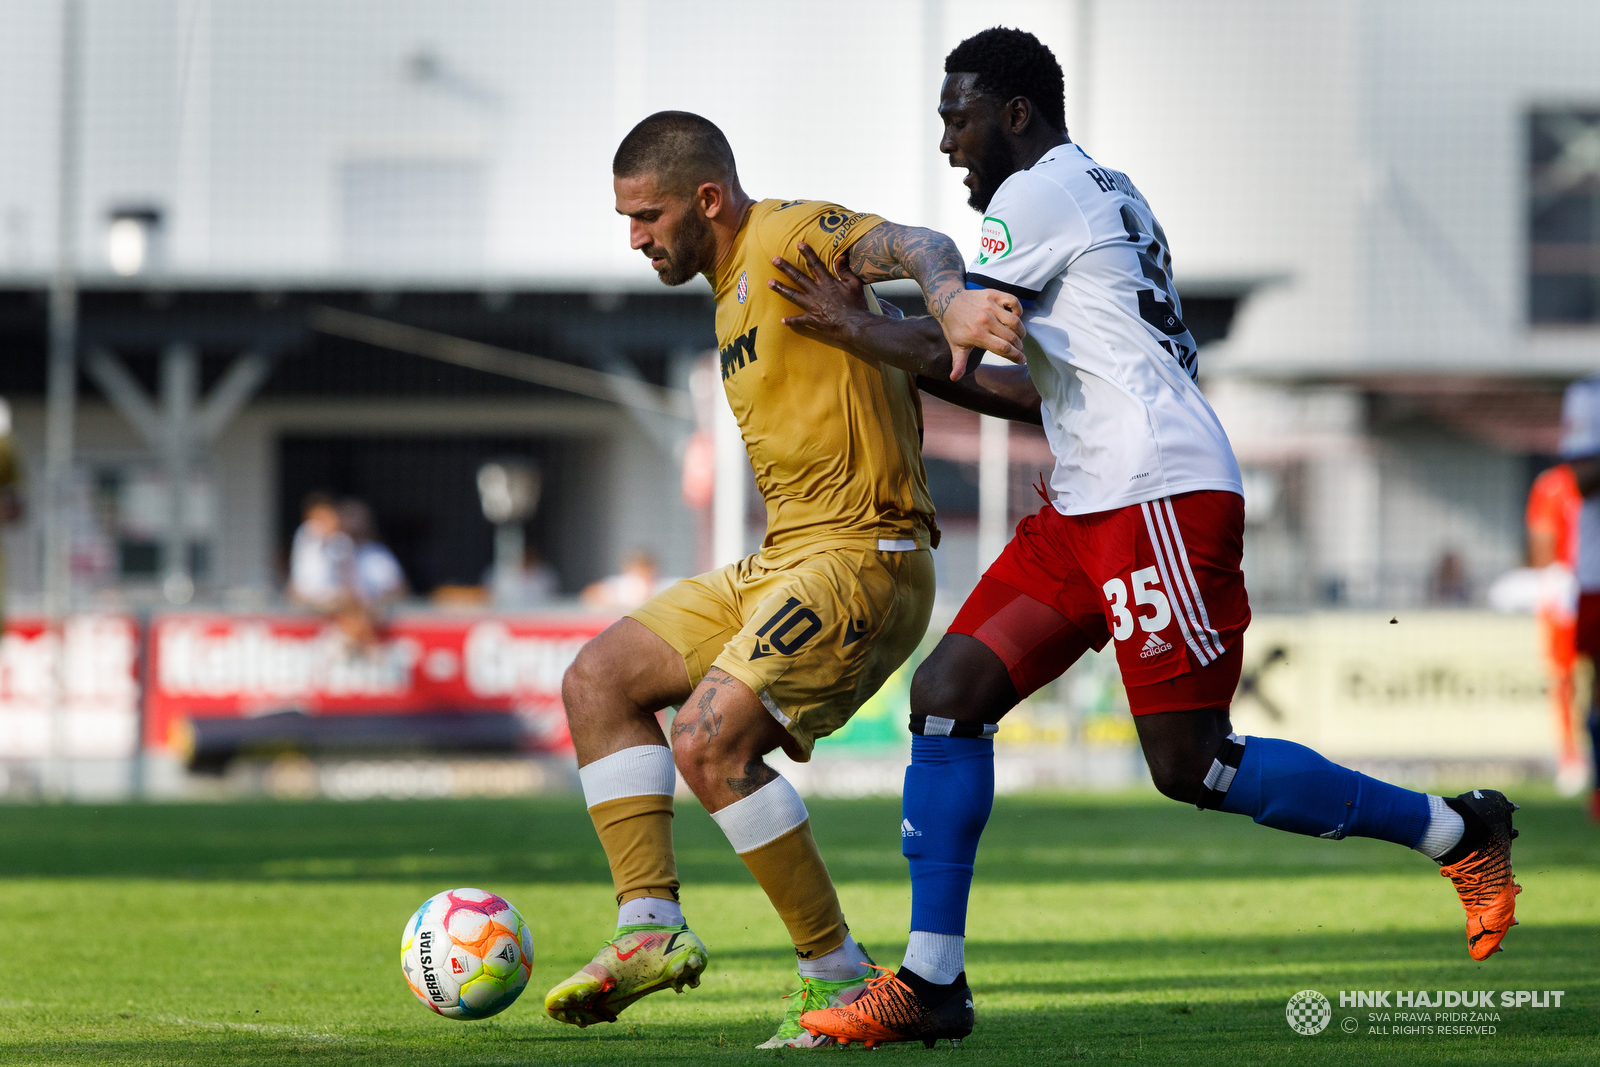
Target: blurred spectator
(1553,506)
(638,581)
(319,557)
(372,576)
(375,574)
(535,583)
(1449,582)
(10,494)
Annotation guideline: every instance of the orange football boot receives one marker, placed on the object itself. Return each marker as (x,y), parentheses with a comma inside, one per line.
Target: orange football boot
(1483,878)
(891,1011)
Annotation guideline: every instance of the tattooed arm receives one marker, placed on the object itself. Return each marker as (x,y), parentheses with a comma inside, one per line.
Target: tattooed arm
(835,310)
(890,250)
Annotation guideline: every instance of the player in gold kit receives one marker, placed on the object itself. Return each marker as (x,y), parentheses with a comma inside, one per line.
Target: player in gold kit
(782,647)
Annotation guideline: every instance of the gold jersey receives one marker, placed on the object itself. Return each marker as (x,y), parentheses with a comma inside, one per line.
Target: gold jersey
(836,443)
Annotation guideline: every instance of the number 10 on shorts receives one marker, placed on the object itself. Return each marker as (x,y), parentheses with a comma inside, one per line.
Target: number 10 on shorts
(1145,594)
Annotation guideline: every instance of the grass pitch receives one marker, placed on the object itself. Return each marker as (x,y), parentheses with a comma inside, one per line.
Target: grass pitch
(1127,929)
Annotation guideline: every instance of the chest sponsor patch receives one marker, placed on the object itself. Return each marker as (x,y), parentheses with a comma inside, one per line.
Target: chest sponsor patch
(994,239)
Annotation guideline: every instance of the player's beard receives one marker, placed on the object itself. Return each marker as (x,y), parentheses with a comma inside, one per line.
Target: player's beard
(991,169)
(687,250)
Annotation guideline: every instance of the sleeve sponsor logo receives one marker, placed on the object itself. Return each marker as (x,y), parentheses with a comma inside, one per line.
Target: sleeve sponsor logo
(994,239)
(830,221)
(840,223)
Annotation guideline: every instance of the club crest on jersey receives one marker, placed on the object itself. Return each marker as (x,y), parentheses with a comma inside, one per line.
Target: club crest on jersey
(994,239)
(744,285)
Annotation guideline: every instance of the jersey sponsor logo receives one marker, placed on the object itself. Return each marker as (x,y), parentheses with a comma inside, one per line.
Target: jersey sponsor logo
(907,830)
(854,631)
(789,628)
(736,354)
(995,240)
(744,285)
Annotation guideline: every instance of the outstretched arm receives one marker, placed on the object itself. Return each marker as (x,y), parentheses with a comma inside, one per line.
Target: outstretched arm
(1004,392)
(890,250)
(836,312)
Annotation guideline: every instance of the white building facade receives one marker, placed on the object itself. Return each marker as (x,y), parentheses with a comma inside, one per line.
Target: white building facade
(1394,194)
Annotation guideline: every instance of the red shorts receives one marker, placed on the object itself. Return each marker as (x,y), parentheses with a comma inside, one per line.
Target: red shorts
(1588,637)
(1161,578)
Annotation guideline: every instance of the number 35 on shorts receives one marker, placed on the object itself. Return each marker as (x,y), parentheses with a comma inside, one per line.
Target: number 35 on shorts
(1149,605)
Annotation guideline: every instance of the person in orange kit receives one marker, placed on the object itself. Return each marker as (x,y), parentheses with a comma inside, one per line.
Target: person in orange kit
(1552,518)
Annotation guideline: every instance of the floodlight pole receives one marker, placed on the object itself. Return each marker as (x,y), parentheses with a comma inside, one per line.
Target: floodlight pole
(728,484)
(180,382)
(994,476)
(61,391)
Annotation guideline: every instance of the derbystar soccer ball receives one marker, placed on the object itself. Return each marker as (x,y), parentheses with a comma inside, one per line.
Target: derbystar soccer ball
(466,953)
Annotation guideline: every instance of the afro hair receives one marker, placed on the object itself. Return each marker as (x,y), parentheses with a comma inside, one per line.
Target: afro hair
(1012,63)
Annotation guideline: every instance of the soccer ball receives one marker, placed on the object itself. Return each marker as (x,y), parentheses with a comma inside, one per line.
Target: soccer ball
(466,953)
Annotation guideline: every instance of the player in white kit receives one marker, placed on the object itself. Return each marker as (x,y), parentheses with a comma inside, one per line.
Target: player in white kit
(1580,446)
(1139,543)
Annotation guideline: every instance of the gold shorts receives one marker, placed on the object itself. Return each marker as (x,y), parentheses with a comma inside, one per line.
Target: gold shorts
(813,637)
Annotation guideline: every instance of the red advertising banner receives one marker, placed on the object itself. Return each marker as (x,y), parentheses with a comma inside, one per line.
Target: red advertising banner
(215,667)
(73,693)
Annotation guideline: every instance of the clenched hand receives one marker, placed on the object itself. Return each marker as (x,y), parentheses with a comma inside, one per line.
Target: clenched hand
(986,319)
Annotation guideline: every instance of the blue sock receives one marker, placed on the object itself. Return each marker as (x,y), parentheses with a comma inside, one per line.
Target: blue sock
(1289,787)
(948,793)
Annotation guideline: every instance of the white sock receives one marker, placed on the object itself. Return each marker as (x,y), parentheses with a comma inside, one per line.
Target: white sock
(644,770)
(1444,830)
(940,958)
(650,910)
(763,816)
(842,964)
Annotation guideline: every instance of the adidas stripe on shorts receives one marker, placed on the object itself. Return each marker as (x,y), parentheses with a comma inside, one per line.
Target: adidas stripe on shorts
(1161,579)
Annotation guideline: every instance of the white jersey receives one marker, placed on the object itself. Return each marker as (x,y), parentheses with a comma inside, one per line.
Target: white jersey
(1580,439)
(1107,348)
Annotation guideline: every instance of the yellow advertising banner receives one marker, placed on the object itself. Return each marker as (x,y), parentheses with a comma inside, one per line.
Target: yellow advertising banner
(1432,685)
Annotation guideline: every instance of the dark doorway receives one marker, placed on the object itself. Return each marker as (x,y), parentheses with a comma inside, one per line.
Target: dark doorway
(423,494)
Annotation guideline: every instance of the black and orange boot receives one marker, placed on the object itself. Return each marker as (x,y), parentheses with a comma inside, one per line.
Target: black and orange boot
(1479,866)
(892,1010)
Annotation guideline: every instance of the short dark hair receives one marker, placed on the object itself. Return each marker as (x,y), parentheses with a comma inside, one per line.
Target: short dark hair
(1012,63)
(680,148)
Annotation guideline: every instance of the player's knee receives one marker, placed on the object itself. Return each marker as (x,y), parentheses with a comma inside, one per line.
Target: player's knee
(1176,783)
(585,680)
(939,689)
(699,758)
(1178,774)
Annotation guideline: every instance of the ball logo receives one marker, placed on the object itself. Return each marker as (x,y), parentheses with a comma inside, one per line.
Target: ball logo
(994,240)
(1308,1012)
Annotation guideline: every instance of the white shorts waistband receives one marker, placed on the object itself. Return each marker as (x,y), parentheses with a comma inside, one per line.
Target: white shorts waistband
(886,545)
